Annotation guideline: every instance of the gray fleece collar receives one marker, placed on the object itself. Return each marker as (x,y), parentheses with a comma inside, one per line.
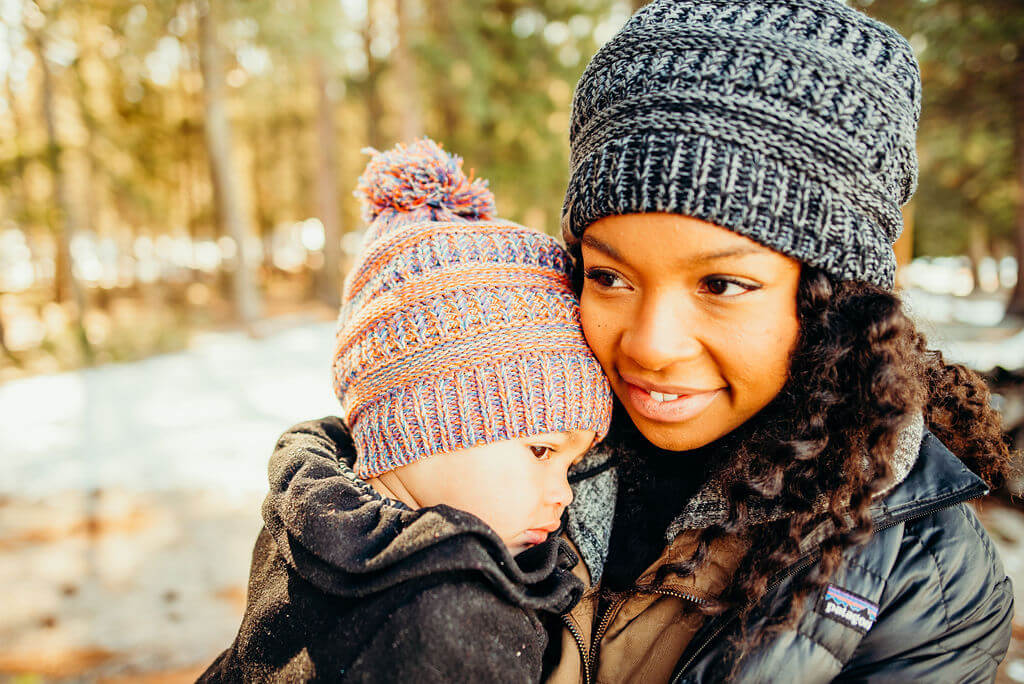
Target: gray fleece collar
(593,507)
(710,506)
(589,523)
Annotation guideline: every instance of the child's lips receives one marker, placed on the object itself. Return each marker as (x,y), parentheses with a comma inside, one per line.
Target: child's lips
(534,537)
(537,535)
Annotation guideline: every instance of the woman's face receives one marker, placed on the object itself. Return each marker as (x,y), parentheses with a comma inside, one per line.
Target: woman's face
(693,324)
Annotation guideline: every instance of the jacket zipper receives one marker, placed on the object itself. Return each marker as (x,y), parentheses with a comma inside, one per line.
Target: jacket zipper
(678,594)
(806,561)
(727,620)
(595,643)
(580,645)
(590,660)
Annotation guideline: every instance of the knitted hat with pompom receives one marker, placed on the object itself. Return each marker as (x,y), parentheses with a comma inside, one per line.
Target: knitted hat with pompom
(456,328)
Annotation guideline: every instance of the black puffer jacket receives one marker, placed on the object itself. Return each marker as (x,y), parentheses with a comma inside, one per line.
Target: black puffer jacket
(348,586)
(925,600)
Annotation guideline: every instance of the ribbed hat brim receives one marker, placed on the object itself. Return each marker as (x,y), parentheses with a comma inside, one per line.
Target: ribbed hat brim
(494,400)
(780,206)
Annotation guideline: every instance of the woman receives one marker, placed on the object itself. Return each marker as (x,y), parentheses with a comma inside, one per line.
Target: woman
(787,506)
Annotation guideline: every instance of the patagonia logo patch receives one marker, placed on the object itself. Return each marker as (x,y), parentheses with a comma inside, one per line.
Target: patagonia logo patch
(848,609)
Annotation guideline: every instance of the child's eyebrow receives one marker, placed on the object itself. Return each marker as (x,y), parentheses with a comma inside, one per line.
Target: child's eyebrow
(555,439)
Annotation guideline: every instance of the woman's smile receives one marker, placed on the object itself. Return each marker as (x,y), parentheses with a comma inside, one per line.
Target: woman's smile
(668,404)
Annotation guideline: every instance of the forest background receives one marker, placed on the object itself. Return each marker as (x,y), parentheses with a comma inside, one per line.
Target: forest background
(177,176)
(169,166)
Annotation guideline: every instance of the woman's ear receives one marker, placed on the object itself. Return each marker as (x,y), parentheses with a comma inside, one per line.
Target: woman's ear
(576,272)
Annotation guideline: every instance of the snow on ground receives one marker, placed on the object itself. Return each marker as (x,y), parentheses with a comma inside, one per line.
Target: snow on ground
(115,582)
(208,417)
(204,418)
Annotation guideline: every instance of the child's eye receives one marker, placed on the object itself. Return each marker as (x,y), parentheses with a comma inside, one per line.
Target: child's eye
(727,287)
(604,278)
(542,453)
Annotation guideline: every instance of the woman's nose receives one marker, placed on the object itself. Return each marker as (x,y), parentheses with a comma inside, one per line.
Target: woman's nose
(662,333)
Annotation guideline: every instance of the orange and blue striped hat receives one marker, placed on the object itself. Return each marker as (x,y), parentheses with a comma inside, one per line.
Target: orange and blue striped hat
(457,328)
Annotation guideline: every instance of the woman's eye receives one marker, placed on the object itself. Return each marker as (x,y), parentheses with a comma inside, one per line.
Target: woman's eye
(603,278)
(542,453)
(727,287)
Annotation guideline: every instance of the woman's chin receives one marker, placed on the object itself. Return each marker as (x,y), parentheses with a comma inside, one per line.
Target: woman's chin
(684,436)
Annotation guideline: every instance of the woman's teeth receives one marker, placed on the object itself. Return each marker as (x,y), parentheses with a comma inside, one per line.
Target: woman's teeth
(659,396)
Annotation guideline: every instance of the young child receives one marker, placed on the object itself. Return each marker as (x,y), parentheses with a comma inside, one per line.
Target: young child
(431,552)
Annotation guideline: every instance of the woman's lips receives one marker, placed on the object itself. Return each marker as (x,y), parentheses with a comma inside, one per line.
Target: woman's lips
(674,411)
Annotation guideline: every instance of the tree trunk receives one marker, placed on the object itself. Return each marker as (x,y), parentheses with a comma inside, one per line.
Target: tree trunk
(90,203)
(1015,307)
(64,226)
(408,84)
(188,169)
(16,187)
(445,98)
(226,186)
(3,347)
(977,249)
(17,198)
(374,108)
(904,246)
(258,135)
(89,121)
(327,188)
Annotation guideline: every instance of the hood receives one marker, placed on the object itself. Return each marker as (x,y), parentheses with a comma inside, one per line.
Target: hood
(346,539)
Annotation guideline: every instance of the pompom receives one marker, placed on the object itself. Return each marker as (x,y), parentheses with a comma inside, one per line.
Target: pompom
(421,178)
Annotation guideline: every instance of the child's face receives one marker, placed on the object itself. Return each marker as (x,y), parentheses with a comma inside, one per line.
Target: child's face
(519,487)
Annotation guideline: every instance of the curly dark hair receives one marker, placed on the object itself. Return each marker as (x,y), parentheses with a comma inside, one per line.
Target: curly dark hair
(860,371)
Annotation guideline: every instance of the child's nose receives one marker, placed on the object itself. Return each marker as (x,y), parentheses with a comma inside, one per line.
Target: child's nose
(559,493)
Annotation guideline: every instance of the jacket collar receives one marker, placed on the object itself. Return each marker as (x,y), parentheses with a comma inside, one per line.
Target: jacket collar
(341,535)
(926,477)
(937,480)
(711,506)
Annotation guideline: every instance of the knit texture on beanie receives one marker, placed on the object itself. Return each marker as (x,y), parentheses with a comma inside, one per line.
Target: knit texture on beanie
(456,328)
(791,122)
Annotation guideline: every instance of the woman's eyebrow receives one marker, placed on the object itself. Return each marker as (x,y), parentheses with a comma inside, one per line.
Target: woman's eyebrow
(608,250)
(594,243)
(726,253)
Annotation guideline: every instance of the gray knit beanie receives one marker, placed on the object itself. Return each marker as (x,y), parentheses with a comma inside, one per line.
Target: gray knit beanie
(791,122)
